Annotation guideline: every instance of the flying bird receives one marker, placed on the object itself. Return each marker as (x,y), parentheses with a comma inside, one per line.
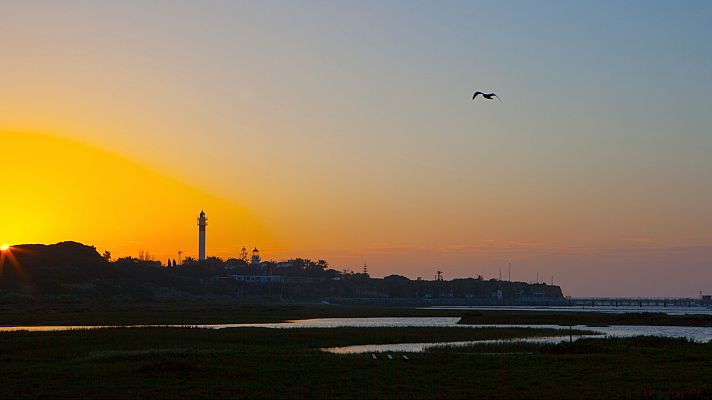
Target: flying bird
(487,96)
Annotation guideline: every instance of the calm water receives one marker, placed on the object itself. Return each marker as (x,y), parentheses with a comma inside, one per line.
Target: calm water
(398,322)
(698,334)
(601,309)
(418,347)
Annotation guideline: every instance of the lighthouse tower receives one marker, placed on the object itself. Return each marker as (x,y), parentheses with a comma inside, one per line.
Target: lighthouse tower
(202,223)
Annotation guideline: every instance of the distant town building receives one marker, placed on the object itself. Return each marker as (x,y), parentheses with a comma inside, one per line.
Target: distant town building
(285,264)
(202,223)
(254,278)
(707,299)
(255,256)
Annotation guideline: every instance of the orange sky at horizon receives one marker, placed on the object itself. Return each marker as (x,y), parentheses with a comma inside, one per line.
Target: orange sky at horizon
(302,133)
(57,189)
(68,190)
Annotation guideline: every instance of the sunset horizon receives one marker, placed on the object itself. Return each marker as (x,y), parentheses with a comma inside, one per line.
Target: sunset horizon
(374,155)
(234,226)
(333,199)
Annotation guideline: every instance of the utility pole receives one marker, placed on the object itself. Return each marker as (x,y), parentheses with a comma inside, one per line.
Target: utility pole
(510,272)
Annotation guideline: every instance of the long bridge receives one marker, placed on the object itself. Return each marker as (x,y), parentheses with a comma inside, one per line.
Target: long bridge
(640,301)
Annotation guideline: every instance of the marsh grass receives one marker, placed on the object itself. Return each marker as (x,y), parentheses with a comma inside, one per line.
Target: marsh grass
(259,363)
(132,355)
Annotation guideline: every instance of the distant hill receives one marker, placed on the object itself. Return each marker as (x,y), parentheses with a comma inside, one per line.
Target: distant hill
(62,253)
(61,262)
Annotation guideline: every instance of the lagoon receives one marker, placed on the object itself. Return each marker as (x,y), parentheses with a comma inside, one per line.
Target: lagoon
(696,334)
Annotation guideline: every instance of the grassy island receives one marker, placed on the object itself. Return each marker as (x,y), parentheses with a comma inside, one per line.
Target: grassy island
(567,318)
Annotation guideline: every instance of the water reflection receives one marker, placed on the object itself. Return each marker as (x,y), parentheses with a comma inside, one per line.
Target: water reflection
(601,309)
(398,322)
(697,334)
(378,322)
(58,328)
(419,347)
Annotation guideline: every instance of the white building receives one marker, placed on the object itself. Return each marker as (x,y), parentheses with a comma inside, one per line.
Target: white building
(255,256)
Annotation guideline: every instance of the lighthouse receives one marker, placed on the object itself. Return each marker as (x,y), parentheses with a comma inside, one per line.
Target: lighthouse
(202,223)
(255,256)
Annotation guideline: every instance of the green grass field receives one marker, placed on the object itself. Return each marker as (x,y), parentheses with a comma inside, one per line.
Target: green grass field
(259,363)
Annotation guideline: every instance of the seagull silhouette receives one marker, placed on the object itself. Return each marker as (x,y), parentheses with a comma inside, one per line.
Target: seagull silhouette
(487,96)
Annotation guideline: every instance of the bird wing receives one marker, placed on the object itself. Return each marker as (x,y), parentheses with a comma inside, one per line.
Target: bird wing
(496,97)
(475,95)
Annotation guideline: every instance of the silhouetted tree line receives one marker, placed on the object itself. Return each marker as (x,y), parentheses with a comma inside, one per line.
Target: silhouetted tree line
(75,271)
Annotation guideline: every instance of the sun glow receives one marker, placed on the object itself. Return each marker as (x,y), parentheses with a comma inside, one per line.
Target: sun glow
(4,247)
(64,190)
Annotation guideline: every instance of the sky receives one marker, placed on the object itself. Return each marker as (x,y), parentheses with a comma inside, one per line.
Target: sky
(345,131)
